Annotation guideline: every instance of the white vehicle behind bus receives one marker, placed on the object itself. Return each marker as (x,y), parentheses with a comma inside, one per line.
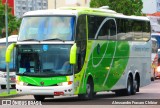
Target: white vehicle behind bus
(3,73)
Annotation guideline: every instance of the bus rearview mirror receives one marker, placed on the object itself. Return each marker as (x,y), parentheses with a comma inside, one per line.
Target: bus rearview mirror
(73,54)
(9,52)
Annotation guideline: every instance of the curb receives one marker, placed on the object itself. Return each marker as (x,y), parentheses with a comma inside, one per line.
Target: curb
(11,96)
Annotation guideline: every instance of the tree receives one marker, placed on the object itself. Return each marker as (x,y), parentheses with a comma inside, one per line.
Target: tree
(127,7)
(13,22)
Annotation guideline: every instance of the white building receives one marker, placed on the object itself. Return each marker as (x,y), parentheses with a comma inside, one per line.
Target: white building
(22,6)
(53,4)
(149,6)
(152,9)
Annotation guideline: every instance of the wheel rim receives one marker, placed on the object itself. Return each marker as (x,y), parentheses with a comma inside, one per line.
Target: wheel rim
(129,86)
(136,85)
(88,89)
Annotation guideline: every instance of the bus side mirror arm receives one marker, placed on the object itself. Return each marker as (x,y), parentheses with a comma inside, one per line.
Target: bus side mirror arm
(73,54)
(9,51)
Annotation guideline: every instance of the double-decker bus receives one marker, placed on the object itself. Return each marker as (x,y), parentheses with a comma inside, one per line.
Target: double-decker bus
(82,51)
(3,73)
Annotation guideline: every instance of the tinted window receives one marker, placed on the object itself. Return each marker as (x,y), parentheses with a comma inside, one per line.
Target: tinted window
(124,29)
(94,23)
(108,30)
(146,30)
(137,29)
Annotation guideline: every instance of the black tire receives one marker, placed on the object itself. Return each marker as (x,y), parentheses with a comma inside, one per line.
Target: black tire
(13,86)
(129,88)
(94,94)
(152,78)
(134,87)
(3,86)
(89,91)
(39,97)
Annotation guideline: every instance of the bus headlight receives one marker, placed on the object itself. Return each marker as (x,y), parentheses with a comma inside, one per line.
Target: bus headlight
(65,83)
(21,83)
(158,69)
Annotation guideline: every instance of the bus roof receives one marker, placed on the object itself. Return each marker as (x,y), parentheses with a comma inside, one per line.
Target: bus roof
(12,38)
(50,12)
(155,34)
(84,10)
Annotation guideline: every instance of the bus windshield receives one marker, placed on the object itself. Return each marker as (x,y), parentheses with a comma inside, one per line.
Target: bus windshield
(43,60)
(47,28)
(2,59)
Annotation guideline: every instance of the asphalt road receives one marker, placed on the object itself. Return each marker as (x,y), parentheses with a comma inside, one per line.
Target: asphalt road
(106,99)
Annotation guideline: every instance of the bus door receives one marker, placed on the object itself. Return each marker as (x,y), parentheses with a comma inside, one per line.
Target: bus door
(81,41)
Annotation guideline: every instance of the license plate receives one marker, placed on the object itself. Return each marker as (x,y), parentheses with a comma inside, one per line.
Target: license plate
(12,79)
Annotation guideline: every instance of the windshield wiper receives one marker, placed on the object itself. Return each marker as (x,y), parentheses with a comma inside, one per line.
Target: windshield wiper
(54,39)
(48,71)
(30,40)
(24,73)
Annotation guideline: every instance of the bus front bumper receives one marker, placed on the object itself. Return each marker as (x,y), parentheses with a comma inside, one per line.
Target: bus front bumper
(54,90)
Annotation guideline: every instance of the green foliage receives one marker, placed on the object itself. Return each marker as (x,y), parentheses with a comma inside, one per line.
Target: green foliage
(13,22)
(127,7)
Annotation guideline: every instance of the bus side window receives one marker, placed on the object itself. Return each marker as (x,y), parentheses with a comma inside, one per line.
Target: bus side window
(108,30)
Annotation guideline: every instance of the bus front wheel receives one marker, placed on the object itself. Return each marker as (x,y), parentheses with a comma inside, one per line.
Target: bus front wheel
(89,91)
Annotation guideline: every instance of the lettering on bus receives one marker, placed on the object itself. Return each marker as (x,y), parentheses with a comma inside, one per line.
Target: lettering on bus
(141,49)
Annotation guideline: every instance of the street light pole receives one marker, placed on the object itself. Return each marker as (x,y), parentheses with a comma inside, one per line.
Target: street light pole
(55,3)
(6,24)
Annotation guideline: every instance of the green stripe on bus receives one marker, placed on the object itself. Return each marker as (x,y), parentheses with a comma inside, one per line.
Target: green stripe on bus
(48,81)
(99,65)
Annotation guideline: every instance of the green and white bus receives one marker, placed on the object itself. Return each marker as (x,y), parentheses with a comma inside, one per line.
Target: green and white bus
(81,51)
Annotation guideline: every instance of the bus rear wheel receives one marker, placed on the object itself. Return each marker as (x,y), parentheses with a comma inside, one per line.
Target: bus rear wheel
(39,97)
(135,86)
(89,91)
(129,88)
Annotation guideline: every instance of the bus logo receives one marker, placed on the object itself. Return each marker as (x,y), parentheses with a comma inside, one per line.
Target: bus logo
(45,47)
(42,83)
